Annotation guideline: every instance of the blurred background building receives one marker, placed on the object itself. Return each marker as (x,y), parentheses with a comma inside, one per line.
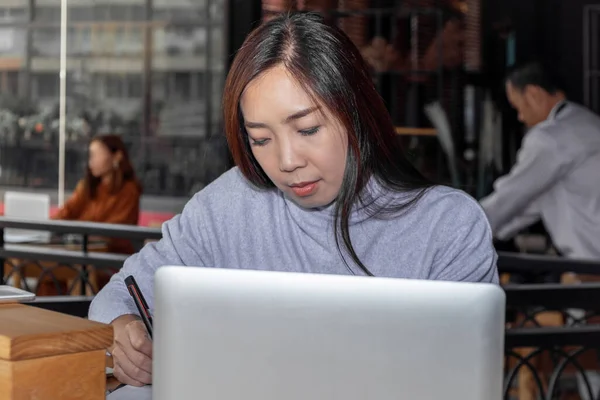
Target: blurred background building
(150,71)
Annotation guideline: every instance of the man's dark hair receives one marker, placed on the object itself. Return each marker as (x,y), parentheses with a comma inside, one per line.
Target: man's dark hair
(536,75)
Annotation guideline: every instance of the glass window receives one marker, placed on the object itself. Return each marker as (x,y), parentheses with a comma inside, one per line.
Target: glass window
(46,85)
(217,48)
(159,87)
(118,12)
(114,86)
(128,39)
(179,40)
(217,12)
(134,86)
(137,13)
(80,41)
(182,86)
(13,14)
(12,83)
(161,14)
(47,13)
(179,15)
(80,13)
(46,42)
(105,85)
(101,13)
(200,84)
(12,42)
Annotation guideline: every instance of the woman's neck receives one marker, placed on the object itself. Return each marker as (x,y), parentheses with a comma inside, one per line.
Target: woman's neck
(106,179)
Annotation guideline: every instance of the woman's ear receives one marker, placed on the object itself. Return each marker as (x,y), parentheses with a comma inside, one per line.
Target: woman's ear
(118,156)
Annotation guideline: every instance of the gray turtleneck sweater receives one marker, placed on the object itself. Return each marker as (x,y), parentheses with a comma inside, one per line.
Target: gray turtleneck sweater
(230,224)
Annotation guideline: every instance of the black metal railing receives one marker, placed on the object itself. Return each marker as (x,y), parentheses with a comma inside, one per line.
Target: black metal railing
(509,262)
(565,348)
(85,229)
(557,359)
(553,355)
(531,300)
(77,261)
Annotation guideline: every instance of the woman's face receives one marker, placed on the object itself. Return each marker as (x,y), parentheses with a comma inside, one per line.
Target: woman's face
(101,161)
(300,145)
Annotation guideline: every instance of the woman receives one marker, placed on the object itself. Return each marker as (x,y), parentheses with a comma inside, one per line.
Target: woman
(109,192)
(320,186)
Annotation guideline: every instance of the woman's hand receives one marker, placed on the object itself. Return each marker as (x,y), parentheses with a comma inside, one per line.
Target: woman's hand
(131,351)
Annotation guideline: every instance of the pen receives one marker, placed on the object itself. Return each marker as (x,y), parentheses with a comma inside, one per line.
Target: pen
(140,302)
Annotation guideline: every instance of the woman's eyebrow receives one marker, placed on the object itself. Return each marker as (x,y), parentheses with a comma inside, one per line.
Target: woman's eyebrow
(299,114)
(287,120)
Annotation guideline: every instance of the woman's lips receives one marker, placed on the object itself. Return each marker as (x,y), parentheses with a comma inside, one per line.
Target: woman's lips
(304,189)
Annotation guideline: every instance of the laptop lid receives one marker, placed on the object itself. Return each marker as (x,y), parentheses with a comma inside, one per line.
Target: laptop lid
(30,206)
(256,335)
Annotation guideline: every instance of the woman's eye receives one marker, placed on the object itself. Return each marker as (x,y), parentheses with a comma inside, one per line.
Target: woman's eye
(260,142)
(310,131)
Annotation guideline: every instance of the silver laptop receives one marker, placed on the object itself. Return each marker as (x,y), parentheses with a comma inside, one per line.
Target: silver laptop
(9,294)
(235,334)
(27,206)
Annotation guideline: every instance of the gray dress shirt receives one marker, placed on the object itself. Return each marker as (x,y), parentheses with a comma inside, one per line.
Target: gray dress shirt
(556,179)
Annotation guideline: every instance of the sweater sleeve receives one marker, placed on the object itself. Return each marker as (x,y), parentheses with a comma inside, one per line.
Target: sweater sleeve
(184,242)
(539,166)
(465,248)
(73,208)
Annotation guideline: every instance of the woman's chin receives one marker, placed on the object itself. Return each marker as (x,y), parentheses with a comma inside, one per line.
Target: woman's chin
(98,175)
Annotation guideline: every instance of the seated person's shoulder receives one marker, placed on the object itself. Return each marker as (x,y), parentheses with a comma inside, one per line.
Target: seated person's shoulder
(231,190)
(459,236)
(545,132)
(133,187)
(442,199)
(446,210)
(80,187)
(549,141)
(443,212)
(549,135)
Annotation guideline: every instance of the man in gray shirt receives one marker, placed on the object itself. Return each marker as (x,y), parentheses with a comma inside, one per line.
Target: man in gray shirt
(557,174)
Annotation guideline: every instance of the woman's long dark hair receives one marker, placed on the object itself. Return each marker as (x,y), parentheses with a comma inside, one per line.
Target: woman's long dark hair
(120,175)
(330,68)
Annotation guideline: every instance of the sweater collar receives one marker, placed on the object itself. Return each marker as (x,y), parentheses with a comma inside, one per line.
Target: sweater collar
(323,217)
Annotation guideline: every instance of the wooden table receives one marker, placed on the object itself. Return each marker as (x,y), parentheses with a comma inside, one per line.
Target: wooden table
(48,355)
